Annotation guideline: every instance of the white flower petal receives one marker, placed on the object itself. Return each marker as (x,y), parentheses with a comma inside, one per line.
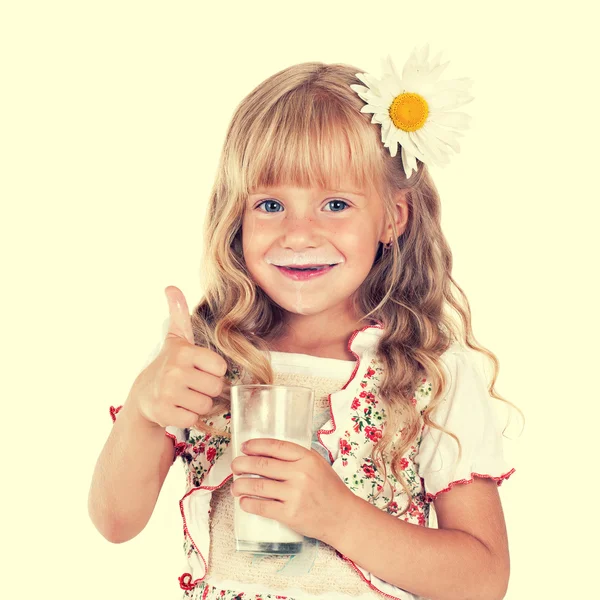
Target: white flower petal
(409,162)
(389,68)
(463,84)
(423,54)
(385,130)
(369,108)
(435,73)
(362,95)
(407,142)
(395,135)
(447,136)
(410,66)
(390,89)
(381,117)
(393,147)
(380,100)
(370,80)
(448,100)
(437,149)
(456,120)
(359,89)
(420,142)
(362,77)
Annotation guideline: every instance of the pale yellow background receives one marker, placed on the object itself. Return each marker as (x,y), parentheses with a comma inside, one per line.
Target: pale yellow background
(111,122)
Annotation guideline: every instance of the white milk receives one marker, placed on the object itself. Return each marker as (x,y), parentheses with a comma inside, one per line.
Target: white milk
(255,528)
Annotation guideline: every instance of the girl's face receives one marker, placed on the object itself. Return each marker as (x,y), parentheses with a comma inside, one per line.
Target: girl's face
(294,226)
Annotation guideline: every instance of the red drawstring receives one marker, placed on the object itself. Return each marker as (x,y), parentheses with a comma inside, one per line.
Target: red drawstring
(185,581)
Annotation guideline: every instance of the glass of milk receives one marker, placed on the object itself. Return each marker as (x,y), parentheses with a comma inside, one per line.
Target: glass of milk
(268,411)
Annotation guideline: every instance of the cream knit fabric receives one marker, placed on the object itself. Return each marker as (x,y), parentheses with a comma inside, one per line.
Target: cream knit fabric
(328,570)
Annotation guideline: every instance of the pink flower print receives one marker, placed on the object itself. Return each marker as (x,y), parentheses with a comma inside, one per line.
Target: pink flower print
(355,404)
(363,394)
(393,507)
(366,410)
(370,373)
(403,463)
(207,437)
(369,471)
(210,453)
(363,384)
(415,511)
(356,426)
(345,447)
(413,401)
(379,487)
(373,433)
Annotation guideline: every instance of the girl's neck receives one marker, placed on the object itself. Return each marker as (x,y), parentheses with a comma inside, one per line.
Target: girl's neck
(321,342)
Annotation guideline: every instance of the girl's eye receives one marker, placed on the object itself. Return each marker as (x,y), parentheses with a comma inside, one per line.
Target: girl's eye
(271,203)
(338,202)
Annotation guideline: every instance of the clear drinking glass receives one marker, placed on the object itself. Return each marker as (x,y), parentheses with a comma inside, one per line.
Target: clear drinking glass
(268,411)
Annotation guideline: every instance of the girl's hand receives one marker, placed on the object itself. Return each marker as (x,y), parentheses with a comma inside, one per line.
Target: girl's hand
(178,386)
(301,491)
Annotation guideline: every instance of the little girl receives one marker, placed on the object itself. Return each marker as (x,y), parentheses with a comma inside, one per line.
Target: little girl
(326,267)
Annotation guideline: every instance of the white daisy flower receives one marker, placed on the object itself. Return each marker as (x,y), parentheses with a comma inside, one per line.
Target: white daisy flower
(415,110)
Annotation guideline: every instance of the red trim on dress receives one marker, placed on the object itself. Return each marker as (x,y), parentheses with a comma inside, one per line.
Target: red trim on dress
(356,367)
(430,497)
(179,447)
(114,411)
(187,532)
(376,589)
(185,585)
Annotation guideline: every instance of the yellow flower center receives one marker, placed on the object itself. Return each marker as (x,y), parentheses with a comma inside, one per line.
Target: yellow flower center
(409,111)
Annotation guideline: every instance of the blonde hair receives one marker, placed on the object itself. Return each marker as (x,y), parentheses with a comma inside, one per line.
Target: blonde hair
(303,126)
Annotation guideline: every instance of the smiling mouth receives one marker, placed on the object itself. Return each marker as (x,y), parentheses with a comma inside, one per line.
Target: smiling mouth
(305,267)
(305,273)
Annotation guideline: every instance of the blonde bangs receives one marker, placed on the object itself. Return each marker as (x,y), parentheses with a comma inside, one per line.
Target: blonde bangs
(307,139)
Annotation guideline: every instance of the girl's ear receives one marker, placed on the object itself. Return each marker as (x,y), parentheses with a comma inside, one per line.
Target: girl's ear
(400,214)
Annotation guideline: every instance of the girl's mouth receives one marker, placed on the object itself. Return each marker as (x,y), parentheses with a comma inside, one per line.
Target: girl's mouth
(304,273)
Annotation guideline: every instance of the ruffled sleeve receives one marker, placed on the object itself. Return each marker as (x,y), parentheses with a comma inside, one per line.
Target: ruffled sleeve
(178,436)
(466,410)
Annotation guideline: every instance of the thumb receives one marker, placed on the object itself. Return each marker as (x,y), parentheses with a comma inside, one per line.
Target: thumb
(180,324)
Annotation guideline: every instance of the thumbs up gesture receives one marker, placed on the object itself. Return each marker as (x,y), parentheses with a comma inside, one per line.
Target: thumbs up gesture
(178,386)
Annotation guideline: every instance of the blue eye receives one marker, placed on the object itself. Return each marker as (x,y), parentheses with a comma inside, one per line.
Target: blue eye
(272,202)
(337,202)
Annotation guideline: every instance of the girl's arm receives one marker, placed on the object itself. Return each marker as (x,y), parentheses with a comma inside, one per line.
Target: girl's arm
(129,475)
(466,558)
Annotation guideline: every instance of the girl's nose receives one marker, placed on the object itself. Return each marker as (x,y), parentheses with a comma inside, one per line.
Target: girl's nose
(301,233)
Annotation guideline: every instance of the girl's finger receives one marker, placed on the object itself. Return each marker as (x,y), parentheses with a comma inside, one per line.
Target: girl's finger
(281,449)
(262,466)
(261,487)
